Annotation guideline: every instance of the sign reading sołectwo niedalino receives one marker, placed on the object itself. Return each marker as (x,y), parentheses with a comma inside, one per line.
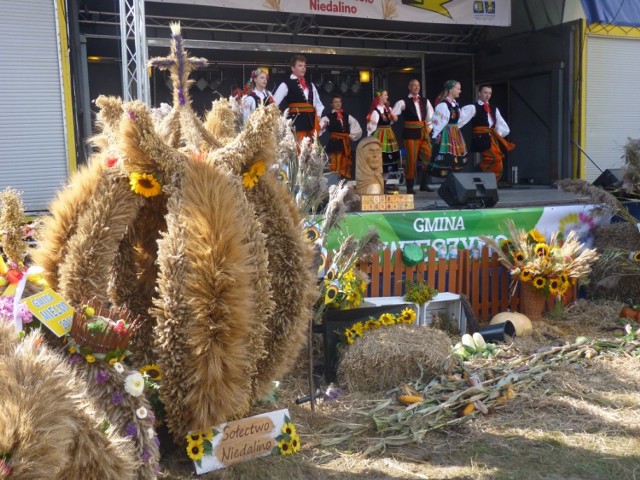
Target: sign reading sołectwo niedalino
(463,12)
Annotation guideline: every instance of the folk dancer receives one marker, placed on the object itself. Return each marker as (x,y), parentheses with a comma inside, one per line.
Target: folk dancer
(343,128)
(448,148)
(302,98)
(256,93)
(417,113)
(489,130)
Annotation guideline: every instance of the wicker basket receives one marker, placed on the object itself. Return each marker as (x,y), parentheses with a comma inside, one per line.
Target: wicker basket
(532,303)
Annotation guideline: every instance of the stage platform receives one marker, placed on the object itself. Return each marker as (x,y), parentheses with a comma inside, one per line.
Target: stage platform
(508,197)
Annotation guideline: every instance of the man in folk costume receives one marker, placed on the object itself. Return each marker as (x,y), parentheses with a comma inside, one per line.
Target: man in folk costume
(417,113)
(343,128)
(302,98)
(489,130)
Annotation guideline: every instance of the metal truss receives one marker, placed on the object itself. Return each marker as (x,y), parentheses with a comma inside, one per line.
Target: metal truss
(133,45)
(298,25)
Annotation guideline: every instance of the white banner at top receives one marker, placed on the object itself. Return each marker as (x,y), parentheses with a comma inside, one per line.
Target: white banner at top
(464,12)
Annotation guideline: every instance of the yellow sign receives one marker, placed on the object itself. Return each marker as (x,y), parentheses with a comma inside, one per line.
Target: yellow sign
(51,310)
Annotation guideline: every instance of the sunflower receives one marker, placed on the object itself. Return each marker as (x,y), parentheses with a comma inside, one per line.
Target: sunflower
(250,178)
(90,358)
(635,256)
(285,447)
(152,371)
(536,236)
(207,435)
(358,328)
(387,319)
(194,437)
(542,250)
(539,282)
(289,429)
(554,286)
(295,442)
(408,316)
(195,450)
(370,324)
(525,275)
(144,184)
(506,244)
(518,257)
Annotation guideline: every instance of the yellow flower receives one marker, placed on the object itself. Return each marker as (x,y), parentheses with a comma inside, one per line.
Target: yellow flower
(285,447)
(112,361)
(358,328)
(90,358)
(152,371)
(554,286)
(542,250)
(250,178)
(349,276)
(295,442)
(525,275)
(194,437)
(539,282)
(89,311)
(518,257)
(144,184)
(387,319)
(408,316)
(536,236)
(289,428)
(195,450)
(207,435)
(72,349)
(370,324)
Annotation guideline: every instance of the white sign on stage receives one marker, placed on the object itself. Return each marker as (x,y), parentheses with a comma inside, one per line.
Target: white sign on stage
(462,12)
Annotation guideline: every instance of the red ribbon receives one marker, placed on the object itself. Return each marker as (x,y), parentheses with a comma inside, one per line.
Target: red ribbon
(303,82)
(486,107)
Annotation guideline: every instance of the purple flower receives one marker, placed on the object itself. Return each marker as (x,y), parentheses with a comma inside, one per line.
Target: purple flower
(102,376)
(75,358)
(151,416)
(157,439)
(117,398)
(146,455)
(131,429)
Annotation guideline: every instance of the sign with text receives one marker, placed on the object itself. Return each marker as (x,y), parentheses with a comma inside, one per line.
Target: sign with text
(49,307)
(270,433)
(462,12)
(453,229)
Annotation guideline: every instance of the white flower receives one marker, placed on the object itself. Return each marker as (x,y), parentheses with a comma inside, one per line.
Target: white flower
(150,433)
(134,384)
(118,367)
(141,413)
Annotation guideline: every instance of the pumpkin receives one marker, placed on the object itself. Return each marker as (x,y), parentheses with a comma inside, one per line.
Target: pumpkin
(521,322)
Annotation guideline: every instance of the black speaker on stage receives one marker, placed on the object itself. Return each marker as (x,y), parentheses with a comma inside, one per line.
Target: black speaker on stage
(610,179)
(470,190)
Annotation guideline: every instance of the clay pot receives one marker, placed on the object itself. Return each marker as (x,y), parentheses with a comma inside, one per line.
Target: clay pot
(521,322)
(628,312)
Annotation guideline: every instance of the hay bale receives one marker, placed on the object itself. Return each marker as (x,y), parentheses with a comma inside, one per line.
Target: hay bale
(621,235)
(386,357)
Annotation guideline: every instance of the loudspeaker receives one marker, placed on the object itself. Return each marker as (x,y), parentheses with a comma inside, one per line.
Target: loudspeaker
(470,190)
(610,179)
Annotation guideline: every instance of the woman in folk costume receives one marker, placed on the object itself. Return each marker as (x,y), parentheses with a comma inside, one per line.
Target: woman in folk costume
(343,128)
(256,93)
(448,151)
(379,122)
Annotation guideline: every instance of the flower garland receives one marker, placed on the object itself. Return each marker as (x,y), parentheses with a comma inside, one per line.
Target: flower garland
(407,316)
(145,184)
(250,178)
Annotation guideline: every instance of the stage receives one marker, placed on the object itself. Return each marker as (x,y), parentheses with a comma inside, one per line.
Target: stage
(508,197)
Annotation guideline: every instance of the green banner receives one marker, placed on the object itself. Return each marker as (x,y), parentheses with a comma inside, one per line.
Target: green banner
(460,229)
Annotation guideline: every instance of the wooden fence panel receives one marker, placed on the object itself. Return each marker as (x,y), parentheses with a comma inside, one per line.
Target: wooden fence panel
(431,269)
(398,270)
(386,273)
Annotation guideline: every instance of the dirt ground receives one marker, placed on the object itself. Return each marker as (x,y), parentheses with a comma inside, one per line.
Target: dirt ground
(581,421)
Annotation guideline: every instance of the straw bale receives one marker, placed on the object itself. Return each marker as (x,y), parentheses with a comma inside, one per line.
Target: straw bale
(618,236)
(386,357)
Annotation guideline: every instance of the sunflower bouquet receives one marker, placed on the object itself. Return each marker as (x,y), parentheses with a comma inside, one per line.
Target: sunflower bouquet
(548,267)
